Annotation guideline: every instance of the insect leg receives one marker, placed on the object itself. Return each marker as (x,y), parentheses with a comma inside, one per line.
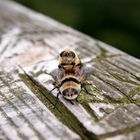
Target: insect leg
(53,89)
(71,102)
(58,95)
(77,100)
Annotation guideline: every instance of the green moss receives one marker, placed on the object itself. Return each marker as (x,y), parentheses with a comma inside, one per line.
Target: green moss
(66,117)
(92,96)
(137,102)
(134,91)
(85,98)
(115,101)
(60,111)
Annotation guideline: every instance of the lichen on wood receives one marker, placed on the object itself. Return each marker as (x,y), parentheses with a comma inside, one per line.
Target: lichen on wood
(29,47)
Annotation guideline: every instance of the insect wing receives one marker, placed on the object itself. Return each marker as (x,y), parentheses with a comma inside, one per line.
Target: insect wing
(57,75)
(84,73)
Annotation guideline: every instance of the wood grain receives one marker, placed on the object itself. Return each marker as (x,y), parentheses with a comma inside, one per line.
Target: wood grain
(29,48)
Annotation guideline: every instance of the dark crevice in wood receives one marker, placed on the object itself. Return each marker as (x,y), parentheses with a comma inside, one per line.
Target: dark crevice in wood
(21,114)
(24,27)
(111,85)
(19,96)
(124,70)
(66,116)
(13,124)
(5,48)
(127,97)
(115,75)
(121,131)
(90,111)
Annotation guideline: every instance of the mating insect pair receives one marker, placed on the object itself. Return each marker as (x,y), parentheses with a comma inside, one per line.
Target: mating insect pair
(70,76)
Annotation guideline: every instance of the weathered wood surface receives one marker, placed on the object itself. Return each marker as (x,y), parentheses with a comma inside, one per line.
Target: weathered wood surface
(29,46)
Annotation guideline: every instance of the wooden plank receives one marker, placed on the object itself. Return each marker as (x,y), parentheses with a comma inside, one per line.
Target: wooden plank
(29,47)
(23,116)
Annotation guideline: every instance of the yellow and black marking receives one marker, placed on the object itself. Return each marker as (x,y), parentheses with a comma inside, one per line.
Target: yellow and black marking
(70,87)
(69,60)
(70,75)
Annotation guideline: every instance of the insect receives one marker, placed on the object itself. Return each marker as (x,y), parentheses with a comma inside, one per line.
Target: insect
(70,76)
(68,60)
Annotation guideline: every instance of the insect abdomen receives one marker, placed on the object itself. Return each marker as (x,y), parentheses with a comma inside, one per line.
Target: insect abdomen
(70,87)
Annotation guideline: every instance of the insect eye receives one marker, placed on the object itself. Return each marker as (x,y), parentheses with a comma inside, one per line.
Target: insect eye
(65,92)
(74,91)
(68,54)
(62,53)
(72,54)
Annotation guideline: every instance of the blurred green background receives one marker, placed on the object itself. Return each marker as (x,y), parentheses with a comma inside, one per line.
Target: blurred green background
(116,22)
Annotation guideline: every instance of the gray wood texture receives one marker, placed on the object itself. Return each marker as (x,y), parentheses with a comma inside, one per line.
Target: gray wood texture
(29,46)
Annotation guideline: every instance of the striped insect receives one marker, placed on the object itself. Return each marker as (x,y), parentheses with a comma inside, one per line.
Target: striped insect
(70,76)
(69,60)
